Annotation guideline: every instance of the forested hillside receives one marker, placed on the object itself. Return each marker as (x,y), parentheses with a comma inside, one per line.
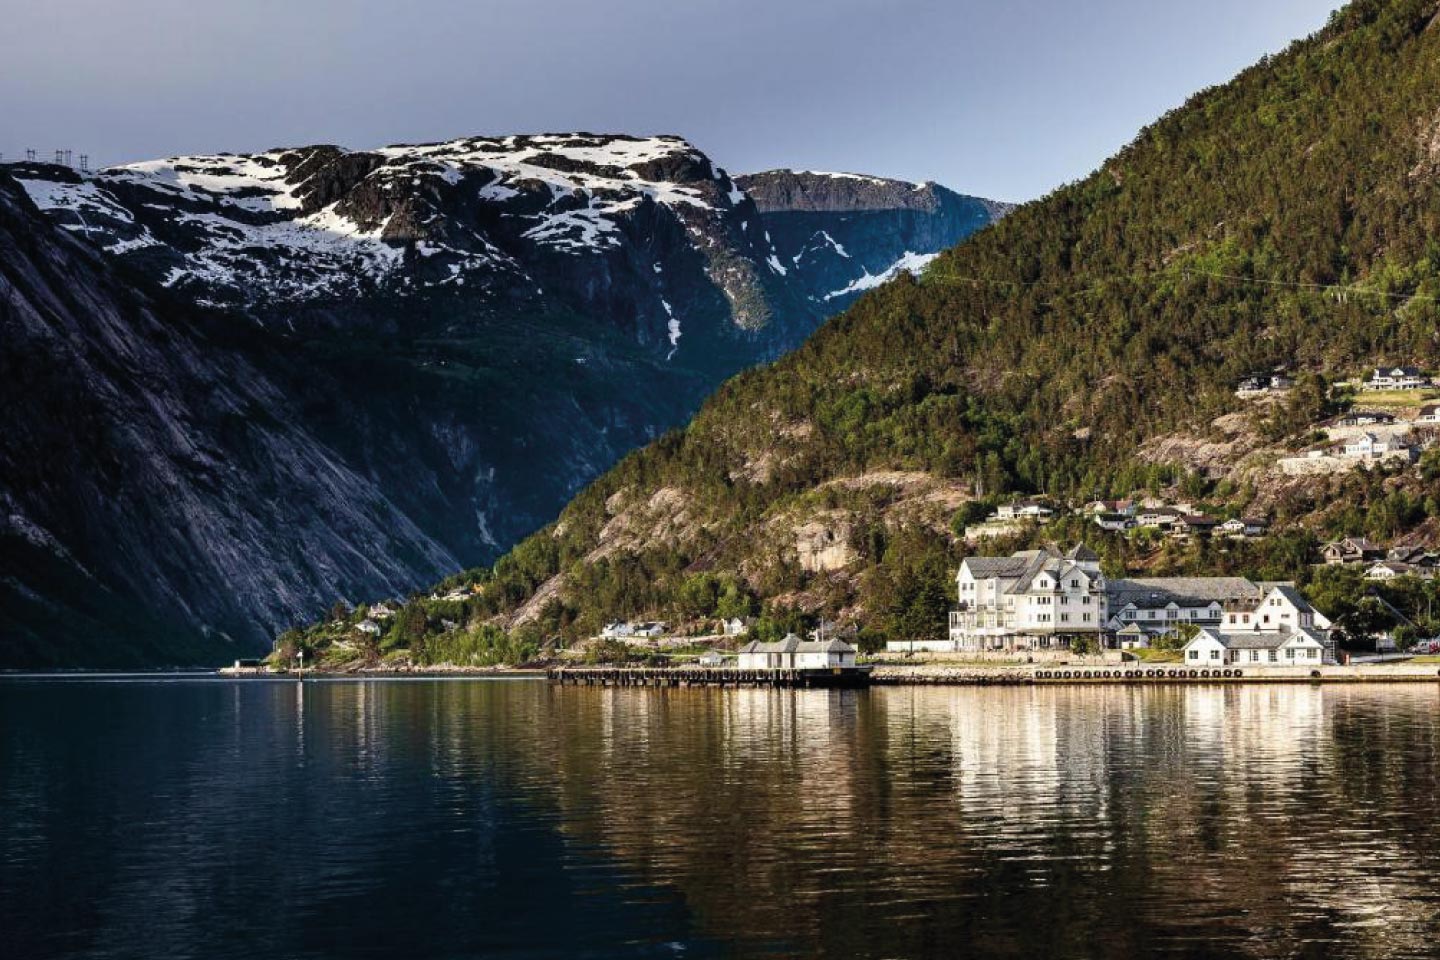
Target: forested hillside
(1286,220)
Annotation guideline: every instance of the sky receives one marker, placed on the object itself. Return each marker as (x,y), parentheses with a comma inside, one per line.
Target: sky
(1005,99)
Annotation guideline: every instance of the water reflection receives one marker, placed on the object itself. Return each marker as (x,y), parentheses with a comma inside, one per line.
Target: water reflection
(517,819)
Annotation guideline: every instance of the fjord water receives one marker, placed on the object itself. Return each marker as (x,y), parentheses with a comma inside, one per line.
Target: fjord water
(217,819)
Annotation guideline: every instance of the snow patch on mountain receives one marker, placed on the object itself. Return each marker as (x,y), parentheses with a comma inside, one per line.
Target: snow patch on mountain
(912,263)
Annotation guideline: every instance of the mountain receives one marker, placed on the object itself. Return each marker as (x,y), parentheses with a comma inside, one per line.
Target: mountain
(471,329)
(159,502)
(1088,344)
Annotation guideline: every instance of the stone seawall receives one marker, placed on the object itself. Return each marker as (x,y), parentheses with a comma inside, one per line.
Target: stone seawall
(938,674)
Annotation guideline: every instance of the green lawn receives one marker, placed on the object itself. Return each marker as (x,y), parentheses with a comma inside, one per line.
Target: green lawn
(1157,656)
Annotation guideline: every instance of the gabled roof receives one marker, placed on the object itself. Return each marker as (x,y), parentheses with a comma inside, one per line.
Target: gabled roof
(1187,591)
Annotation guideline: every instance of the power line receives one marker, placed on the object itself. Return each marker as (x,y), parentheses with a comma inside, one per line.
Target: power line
(1330,288)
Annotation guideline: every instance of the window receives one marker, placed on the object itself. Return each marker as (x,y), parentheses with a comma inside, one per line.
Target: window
(1074,583)
(1085,599)
(1214,654)
(1254,656)
(1274,656)
(1064,618)
(1289,653)
(1194,654)
(1085,617)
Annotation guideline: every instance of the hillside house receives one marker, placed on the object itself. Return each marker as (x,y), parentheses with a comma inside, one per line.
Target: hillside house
(618,630)
(1191,525)
(1243,527)
(1124,508)
(1429,414)
(736,626)
(1279,648)
(1363,418)
(1116,522)
(1158,518)
(1397,378)
(712,659)
(1264,384)
(792,653)
(1370,446)
(1351,550)
(1034,510)
(368,626)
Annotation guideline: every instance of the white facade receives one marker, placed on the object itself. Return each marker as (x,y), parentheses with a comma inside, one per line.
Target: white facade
(1035,599)
(1213,648)
(792,653)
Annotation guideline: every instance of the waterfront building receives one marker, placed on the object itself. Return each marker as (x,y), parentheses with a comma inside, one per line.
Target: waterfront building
(1210,647)
(792,653)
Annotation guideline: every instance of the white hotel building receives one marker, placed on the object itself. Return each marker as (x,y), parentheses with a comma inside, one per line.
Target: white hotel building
(1032,600)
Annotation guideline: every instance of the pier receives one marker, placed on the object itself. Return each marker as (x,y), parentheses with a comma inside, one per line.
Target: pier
(832,677)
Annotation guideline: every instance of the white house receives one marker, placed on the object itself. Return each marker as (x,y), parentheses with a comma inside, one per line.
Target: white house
(1280,648)
(1397,378)
(1369,446)
(1025,510)
(368,626)
(1158,517)
(619,629)
(735,627)
(1430,413)
(712,658)
(1034,599)
(1116,522)
(792,653)
(1390,569)
(1158,605)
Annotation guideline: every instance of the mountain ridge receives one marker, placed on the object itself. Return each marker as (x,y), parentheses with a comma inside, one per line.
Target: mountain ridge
(475,327)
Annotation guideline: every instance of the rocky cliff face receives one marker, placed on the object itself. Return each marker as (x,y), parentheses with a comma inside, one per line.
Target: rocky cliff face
(840,234)
(470,330)
(160,499)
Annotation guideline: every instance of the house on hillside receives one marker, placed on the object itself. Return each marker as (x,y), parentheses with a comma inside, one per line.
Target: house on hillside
(1193,524)
(1363,418)
(1279,648)
(736,626)
(368,626)
(1351,550)
(1244,527)
(1387,570)
(712,658)
(1037,510)
(1124,508)
(792,653)
(618,630)
(1429,414)
(1370,446)
(1115,522)
(1397,378)
(1158,518)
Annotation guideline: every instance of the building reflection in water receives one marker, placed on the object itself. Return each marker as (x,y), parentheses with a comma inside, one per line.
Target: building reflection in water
(1219,821)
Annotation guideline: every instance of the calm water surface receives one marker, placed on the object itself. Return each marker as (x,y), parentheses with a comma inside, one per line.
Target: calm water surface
(248,819)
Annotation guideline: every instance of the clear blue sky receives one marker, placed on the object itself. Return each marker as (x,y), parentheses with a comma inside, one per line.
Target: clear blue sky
(1002,98)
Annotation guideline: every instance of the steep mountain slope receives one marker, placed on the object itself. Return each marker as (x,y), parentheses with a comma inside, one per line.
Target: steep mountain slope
(1287,219)
(473,329)
(158,502)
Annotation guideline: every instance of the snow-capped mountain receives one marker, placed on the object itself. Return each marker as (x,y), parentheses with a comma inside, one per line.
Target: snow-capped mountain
(479,327)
